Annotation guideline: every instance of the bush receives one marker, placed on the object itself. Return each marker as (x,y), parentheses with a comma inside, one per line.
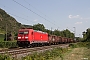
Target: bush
(73,45)
(47,55)
(8,44)
(83,44)
(5,57)
(80,44)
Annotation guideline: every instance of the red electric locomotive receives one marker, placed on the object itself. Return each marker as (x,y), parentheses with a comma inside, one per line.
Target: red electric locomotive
(29,36)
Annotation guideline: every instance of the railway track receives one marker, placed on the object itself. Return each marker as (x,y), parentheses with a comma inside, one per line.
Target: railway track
(22,52)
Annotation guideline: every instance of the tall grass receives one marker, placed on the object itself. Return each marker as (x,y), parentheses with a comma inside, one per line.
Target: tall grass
(47,55)
(5,57)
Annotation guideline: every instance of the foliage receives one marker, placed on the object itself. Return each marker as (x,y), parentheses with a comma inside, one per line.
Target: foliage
(48,31)
(73,45)
(7,21)
(5,57)
(47,55)
(86,35)
(1,31)
(1,37)
(64,33)
(68,34)
(79,39)
(8,44)
(80,44)
(56,32)
(39,27)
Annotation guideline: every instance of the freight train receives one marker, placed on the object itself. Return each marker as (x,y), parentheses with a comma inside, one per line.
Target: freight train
(28,37)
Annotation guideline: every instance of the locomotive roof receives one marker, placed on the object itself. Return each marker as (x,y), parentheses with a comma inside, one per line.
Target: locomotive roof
(33,30)
(23,29)
(40,31)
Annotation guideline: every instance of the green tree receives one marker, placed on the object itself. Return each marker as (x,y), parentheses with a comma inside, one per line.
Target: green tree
(39,27)
(56,32)
(67,33)
(86,35)
(48,31)
(62,33)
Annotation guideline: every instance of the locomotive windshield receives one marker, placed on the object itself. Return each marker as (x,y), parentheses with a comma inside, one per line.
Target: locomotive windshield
(23,32)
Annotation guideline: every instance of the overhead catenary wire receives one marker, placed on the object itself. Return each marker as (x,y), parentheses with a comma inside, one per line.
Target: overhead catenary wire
(33,12)
(37,9)
(18,16)
(34,7)
(27,16)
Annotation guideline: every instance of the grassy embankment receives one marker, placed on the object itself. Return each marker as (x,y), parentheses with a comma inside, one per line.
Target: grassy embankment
(79,51)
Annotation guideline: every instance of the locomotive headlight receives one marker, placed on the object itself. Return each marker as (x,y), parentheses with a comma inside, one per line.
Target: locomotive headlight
(26,37)
(19,37)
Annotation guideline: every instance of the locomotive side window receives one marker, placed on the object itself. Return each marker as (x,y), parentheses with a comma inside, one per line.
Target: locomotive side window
(26,32)
(23,32)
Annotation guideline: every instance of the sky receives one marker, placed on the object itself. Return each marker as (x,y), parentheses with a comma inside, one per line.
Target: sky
(73,15)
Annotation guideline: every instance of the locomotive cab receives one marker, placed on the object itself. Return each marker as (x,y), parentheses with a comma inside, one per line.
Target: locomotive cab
(28,37)
(24,35)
